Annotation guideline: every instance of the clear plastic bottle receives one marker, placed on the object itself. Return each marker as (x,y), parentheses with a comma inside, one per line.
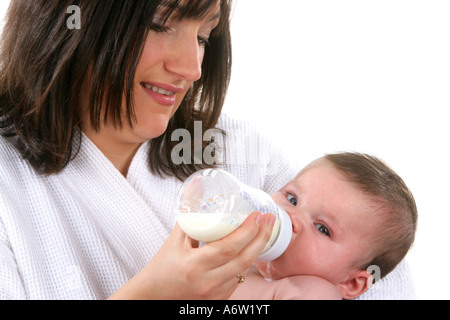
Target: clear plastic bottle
(212,203)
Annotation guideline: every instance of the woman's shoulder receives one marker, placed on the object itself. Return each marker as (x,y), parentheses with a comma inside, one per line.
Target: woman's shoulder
(7,145)
(244,143)
(245,153)
(9,154)
(253,157)
(14,169)
(235,127)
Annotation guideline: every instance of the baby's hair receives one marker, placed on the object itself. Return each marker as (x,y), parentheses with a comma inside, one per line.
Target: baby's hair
(390,198)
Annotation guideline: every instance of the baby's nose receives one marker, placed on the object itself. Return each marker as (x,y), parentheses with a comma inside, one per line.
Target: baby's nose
(297,222)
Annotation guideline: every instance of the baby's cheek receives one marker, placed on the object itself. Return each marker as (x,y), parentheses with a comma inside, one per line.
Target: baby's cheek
(293,266)
(277,197)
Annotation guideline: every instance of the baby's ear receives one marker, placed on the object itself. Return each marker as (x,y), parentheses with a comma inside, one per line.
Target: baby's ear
(355,285)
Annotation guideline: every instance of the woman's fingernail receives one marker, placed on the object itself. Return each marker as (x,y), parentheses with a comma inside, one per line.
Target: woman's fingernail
(271,219)
(258,219)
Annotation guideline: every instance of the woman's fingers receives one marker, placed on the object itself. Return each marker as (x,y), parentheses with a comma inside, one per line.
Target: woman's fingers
(182,270)
(257,245)
(252,236)
(234,254)
(180,237)
(248,242)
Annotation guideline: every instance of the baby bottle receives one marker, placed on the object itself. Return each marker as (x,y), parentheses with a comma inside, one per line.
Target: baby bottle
(212,203)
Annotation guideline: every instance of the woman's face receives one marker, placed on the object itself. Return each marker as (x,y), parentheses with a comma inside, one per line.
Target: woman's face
(170,63)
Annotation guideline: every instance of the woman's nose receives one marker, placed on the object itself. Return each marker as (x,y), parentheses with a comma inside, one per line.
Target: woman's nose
(186,58)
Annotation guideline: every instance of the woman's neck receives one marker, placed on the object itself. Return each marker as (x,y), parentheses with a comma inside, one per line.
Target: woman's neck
(117,150)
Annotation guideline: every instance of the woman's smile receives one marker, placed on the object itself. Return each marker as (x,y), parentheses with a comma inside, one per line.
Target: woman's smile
(163,94)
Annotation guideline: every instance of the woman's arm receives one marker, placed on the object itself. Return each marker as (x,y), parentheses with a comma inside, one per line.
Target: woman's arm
(11,286)
(181,270)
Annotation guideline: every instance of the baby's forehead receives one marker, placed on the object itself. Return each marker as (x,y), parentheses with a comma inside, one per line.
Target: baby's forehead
(319,164)
(323,172)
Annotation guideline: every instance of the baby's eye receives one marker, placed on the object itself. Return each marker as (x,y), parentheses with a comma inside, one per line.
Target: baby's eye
(292,199)
(323,229)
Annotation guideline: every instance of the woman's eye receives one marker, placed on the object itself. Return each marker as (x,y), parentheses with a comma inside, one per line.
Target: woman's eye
(158,24)
(292,199)
(203,41)
(158,27)
(323,229)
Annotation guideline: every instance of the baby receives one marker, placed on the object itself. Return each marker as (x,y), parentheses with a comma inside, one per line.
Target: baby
(349,211)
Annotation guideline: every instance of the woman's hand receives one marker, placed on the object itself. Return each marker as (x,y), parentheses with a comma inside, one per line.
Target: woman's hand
(181,270)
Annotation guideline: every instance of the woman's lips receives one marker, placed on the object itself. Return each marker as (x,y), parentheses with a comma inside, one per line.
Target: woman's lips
(163,94)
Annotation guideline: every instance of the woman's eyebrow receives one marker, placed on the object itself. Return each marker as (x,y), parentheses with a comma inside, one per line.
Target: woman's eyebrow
(215,17)
(180,8)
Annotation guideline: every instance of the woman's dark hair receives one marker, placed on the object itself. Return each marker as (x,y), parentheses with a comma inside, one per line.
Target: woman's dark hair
(43,65)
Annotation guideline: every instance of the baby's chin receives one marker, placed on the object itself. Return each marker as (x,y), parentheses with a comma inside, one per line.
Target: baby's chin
(272,270)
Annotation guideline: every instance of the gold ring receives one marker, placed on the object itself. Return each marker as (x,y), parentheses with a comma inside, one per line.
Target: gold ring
(241,279)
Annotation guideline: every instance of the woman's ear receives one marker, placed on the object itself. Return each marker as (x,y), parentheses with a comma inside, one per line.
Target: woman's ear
(358,283)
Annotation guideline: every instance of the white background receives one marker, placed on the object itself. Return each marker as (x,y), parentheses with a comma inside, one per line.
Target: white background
(322,76)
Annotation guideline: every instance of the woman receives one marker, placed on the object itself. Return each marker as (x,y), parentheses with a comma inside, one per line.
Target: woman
(77,107)
(88,180)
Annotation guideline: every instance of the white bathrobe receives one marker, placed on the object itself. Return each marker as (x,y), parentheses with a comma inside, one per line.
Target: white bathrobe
(85,232)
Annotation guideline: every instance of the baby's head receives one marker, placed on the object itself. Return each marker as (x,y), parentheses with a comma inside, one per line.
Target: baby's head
(390,199)
(349,211)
